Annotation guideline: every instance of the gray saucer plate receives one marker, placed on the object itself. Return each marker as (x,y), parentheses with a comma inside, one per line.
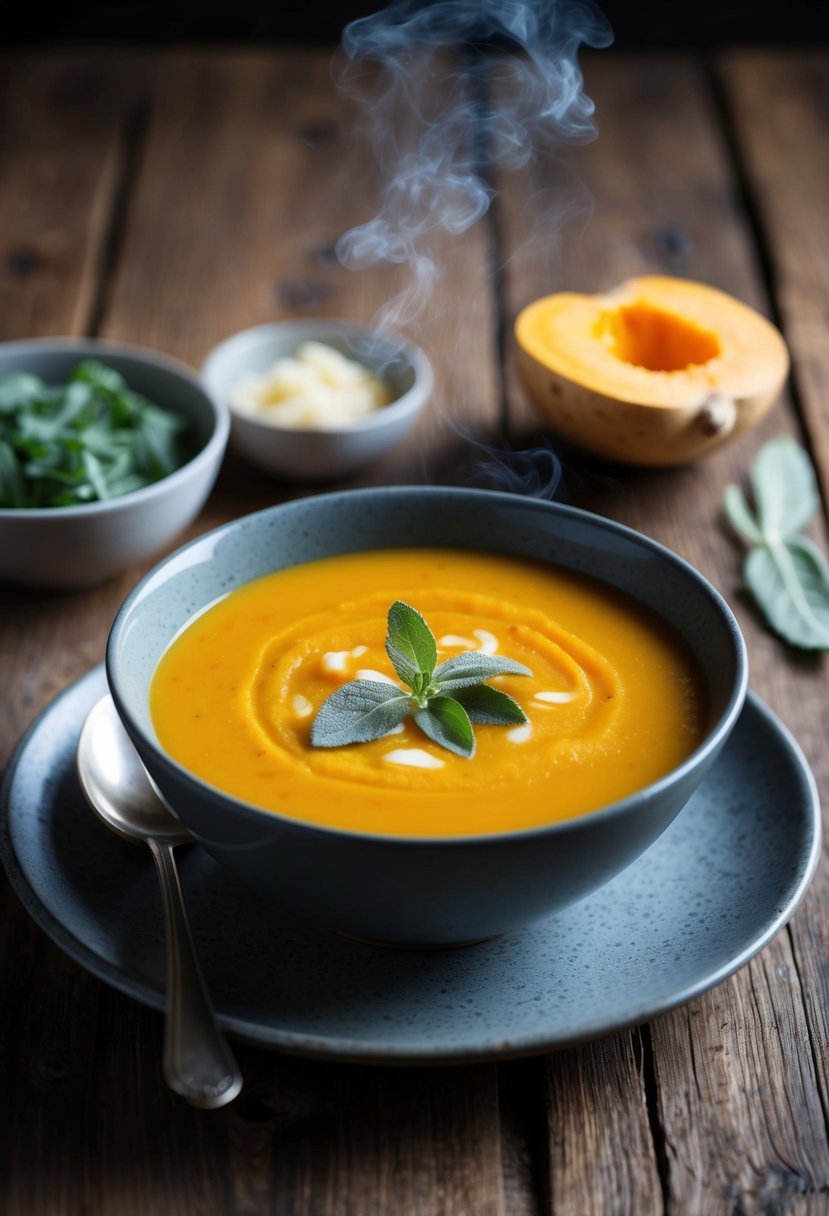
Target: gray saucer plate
(712,891)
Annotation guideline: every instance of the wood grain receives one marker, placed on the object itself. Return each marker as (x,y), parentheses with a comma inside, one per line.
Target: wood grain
(169,198)
(597,1104)
(778,108)
(62,143)
(765,1143)
(778,105)
(269,175)
(223,216)
(666,199)
(366,1141)
(55,211)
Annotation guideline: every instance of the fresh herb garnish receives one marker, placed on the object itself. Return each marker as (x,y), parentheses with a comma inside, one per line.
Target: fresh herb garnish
(90,439)
(785,572)
(444,699)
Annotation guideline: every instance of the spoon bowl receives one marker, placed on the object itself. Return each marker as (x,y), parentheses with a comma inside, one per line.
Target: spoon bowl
(117,786)
(198,1062)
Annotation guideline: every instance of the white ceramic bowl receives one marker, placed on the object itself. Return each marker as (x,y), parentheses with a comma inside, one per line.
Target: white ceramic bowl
(306,454)
(75,546)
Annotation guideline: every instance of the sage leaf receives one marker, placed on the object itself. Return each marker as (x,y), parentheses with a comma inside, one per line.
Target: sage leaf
(784,571)
(408,672)
(410,641)
(490,706)
(790,582)
(363,710)
(784,486)
(446,722)
(740,517)
(471,667)
(359,712)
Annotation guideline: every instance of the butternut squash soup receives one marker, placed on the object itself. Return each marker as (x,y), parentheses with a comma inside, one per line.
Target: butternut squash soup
(613,702)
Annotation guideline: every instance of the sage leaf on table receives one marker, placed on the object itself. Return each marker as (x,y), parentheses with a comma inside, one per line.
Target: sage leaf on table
(444,699)
(785,572)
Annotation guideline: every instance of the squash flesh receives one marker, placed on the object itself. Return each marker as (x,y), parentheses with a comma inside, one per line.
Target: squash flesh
(650,337)
(582,337)
(659,346)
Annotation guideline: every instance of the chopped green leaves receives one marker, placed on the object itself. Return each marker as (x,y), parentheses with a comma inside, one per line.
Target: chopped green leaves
(88,440)
(785,572)
(363,710)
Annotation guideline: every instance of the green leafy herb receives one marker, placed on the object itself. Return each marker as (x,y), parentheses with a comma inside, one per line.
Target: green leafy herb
(445,699)
(785,572)
(90,439)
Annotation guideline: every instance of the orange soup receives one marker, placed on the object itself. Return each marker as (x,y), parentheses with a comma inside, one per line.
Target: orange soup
(613,703)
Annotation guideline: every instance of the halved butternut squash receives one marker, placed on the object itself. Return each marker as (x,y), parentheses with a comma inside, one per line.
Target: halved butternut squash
(658,371)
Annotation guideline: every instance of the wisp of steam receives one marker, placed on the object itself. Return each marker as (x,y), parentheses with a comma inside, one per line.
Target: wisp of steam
(439,145)
(535,472)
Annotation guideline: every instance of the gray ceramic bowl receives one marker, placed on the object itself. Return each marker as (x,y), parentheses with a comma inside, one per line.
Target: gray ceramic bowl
(302,453)
(79,545)
(423,891)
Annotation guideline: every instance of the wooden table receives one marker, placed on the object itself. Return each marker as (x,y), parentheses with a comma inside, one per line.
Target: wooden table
(171,197)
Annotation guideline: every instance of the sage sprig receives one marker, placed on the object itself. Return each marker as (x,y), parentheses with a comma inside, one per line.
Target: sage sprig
(445,699)
(785,572)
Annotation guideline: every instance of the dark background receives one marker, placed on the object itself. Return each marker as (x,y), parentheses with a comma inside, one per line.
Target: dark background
(642,23)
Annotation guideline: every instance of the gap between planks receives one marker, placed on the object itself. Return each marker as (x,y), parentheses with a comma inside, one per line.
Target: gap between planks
(133,140)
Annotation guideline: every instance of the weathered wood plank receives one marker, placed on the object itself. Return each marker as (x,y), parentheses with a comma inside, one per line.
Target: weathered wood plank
(46,1078)
(779,104)
(230,221)
(764,1144)
(218,233)
(268,174)
(63,141)
(65,119)
(601,1149)
(522,1096)
(334,1139)
(663,198)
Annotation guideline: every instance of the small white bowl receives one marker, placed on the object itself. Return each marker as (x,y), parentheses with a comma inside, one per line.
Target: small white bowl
(76,546)
(315,454)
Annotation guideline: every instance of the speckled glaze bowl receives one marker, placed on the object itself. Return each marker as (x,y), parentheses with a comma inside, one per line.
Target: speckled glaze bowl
(435,891)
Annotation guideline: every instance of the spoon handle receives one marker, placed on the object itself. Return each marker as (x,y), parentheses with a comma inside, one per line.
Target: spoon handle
(198,1062)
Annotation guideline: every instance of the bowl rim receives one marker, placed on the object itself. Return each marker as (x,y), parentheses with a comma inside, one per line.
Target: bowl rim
(412,400)
(716,734)
(212,449)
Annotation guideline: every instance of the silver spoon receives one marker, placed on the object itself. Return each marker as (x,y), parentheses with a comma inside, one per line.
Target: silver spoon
(198,1063)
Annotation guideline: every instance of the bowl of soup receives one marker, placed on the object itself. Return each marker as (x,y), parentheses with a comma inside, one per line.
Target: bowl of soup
(627,667)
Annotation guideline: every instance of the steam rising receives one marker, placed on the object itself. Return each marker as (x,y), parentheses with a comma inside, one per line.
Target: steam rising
(436,134)
(533,472)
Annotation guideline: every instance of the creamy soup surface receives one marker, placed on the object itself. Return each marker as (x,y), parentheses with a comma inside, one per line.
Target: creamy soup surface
(614,701)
